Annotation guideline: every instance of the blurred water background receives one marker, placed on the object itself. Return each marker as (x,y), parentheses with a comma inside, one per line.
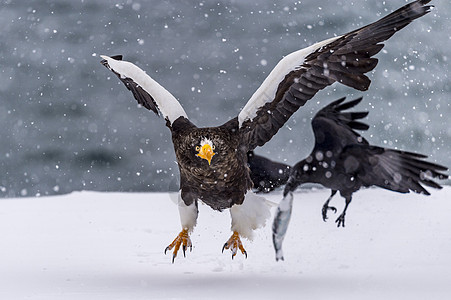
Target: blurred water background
(69,124)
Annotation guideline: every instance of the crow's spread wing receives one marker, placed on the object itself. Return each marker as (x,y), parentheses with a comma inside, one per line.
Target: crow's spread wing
(334,129)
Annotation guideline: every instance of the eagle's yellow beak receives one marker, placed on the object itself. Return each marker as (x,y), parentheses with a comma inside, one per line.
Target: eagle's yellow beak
(206,152)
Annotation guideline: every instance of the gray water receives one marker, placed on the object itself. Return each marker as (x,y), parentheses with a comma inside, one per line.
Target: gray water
(69,124)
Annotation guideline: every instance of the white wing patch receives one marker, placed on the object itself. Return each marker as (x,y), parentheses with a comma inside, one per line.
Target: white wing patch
(267,91)
(166,102)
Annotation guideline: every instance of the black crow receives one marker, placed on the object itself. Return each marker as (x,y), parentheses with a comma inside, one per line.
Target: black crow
(344,161)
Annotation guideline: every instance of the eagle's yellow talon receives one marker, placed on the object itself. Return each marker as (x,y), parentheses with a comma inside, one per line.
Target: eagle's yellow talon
(183,240)
(234,243)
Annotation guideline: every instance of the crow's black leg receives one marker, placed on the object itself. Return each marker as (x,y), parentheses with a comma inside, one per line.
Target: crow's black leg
(326,206)
(341,219)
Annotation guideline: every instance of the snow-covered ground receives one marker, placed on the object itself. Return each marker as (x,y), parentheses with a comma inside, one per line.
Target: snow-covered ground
(89,245)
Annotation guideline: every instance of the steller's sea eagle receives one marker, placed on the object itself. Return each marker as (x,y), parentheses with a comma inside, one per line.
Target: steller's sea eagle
(212,161)
(344,161)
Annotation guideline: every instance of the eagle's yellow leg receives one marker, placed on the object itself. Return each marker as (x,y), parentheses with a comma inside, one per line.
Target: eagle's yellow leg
(181,240)
(234,243)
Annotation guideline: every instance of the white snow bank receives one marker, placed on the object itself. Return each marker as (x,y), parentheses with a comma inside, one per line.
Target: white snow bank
(110,246)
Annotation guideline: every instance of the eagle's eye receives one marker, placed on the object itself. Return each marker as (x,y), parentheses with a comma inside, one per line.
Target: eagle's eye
(197,148)
(213,147)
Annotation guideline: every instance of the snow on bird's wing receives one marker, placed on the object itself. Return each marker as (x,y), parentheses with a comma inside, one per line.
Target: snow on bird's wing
(300,75)
(146,91)
(334,129)
(391,169)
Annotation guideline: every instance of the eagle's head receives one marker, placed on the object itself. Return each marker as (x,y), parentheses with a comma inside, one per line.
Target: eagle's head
(205,149)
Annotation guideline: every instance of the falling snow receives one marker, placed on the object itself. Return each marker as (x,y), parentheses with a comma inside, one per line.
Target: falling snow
(70,125)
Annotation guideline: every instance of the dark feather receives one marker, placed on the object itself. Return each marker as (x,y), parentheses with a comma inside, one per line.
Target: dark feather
(394,170)
(266,174)
(334,129)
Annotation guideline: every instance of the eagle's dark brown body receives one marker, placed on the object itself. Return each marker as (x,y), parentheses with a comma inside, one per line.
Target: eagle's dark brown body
(226,180)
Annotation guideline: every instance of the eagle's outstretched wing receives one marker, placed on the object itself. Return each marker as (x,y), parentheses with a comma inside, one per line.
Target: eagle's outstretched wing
(301,74)
(147,91)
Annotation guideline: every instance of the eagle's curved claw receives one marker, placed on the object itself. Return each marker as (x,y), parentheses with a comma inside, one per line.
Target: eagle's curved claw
(183,240)
(234,243)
